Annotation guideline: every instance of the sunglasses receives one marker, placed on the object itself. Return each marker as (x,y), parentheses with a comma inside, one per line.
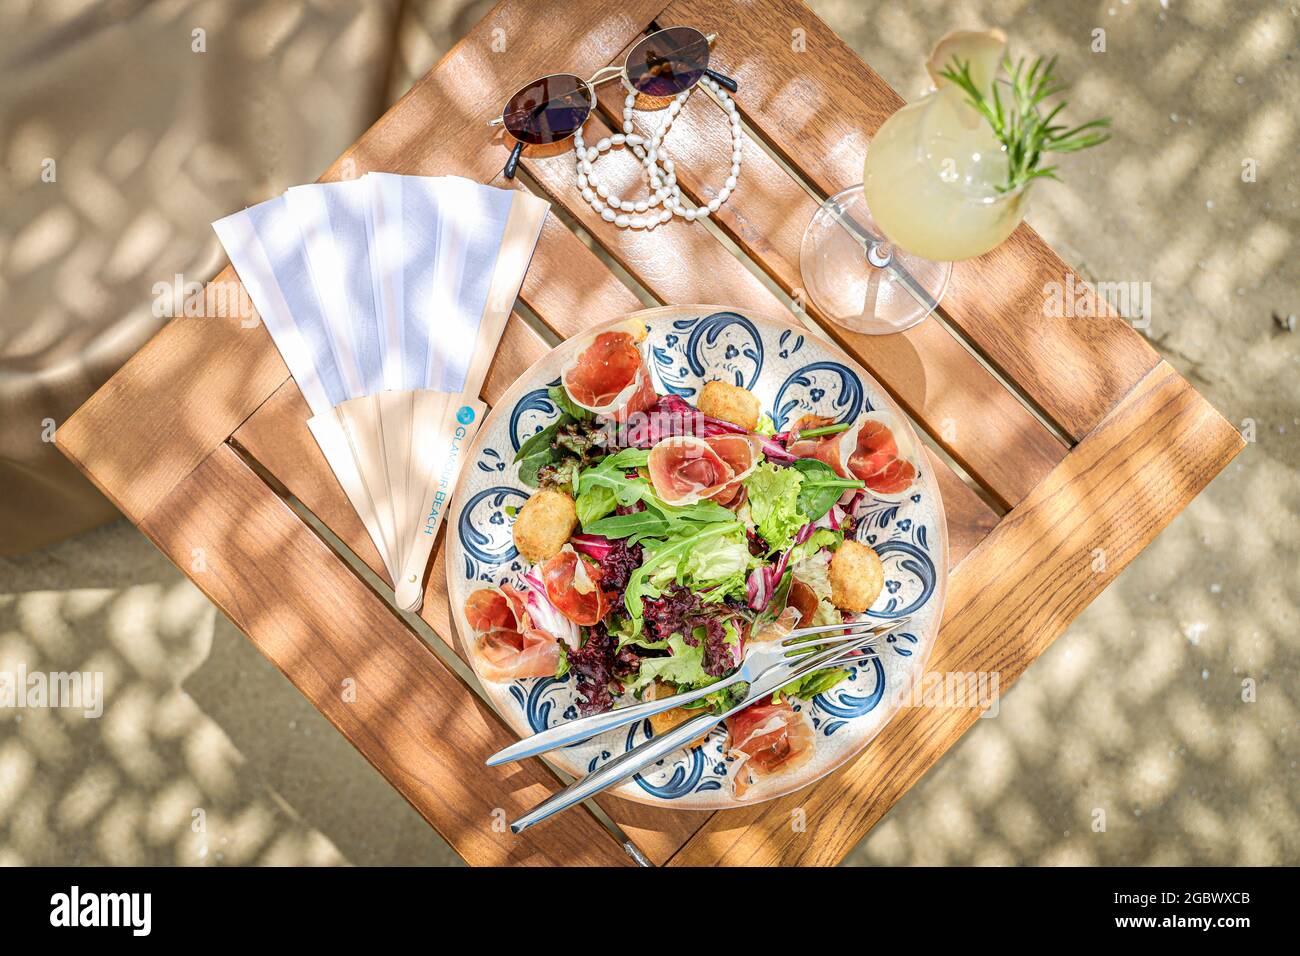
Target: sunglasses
(553,108)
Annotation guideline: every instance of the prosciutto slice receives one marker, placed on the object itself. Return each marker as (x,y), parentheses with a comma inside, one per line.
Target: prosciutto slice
(768,739)
(609,376)
(507,644)
(572,585)
(878,449)
(740,452)
(685,469)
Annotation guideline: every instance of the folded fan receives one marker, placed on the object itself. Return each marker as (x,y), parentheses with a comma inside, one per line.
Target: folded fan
(387,296)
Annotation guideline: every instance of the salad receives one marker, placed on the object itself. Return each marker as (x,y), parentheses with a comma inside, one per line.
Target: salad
(664,538)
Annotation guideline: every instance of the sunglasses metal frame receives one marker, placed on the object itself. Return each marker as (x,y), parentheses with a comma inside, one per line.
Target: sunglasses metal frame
(604,75)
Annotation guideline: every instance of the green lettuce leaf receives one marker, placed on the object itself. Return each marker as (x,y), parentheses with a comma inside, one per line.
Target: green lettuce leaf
(593,504)
(684,666)
(774,504)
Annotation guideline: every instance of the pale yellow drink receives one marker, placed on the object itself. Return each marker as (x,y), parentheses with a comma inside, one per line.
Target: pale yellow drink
(931,179)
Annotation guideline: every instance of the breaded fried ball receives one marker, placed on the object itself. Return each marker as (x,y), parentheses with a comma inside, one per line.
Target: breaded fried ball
(729,403)
(544,524)
(666,721)
(856,577)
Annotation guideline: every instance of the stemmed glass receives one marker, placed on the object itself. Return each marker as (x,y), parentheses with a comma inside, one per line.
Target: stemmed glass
(876,258)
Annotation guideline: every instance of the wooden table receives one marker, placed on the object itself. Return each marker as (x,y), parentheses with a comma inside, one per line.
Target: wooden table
(1078,441)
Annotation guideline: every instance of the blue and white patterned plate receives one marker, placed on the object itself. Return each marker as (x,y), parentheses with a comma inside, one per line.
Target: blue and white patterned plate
(793,373)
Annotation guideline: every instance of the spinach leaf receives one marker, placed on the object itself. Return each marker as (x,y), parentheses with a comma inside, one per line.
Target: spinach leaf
(821,487)
(568,406)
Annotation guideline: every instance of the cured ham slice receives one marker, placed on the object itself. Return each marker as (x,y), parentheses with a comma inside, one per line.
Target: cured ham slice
(878,458)
(609,376)
(572,585)
(508,646)
(768,739)
(741,453)
(685,469)
(878,449)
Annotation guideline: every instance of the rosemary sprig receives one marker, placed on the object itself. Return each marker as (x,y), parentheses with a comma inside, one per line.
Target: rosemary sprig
(1025,132)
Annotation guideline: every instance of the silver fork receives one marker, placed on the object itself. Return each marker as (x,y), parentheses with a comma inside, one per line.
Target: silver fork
(757,662)
(636,759)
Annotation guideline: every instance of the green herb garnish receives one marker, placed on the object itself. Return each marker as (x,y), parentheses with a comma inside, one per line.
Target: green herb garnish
(1018,125)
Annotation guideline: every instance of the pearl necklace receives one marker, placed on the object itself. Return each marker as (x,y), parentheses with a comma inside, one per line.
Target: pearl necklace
(644,213)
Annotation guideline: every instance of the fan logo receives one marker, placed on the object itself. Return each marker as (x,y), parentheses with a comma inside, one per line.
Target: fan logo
(465,415)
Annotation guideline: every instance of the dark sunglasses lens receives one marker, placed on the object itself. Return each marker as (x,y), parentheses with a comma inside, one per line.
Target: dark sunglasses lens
(668,62)
(548,110)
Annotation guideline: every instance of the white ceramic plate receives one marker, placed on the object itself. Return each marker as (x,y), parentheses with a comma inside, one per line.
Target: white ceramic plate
(793,373)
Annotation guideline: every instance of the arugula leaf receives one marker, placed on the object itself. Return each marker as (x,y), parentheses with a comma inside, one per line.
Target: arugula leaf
(637,524)
(774,503)
(568,406)
(821,487)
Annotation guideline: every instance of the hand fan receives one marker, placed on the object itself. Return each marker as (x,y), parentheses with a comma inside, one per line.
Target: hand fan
(386,297)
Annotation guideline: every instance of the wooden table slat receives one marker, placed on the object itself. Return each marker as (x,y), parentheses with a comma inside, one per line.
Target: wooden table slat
(1007,602)
(817,104)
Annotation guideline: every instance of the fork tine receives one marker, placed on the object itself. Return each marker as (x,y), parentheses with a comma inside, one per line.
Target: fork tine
(805,635)
(800,666)
(816,645)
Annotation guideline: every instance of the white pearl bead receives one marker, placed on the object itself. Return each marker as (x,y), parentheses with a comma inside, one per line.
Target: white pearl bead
(633,140)
(735,156)
(592,154)
(702,212)
(621,221)
(627,205)
(668,165)
(642,206)
(674,107)
(714,204)
(689,215)
(618,139)
(586,166)
(627,126)
(582,180)
(735,170)
(637,222)
(597,205)
(651,223)
(608,215)
(730,183)
(665,215)
(612,199)
(588,193)
(603,190)
(724,193)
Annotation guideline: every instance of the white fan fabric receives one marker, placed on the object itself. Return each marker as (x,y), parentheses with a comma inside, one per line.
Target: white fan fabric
(387,296)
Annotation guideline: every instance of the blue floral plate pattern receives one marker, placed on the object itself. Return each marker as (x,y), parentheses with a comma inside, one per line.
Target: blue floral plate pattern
(793,373)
